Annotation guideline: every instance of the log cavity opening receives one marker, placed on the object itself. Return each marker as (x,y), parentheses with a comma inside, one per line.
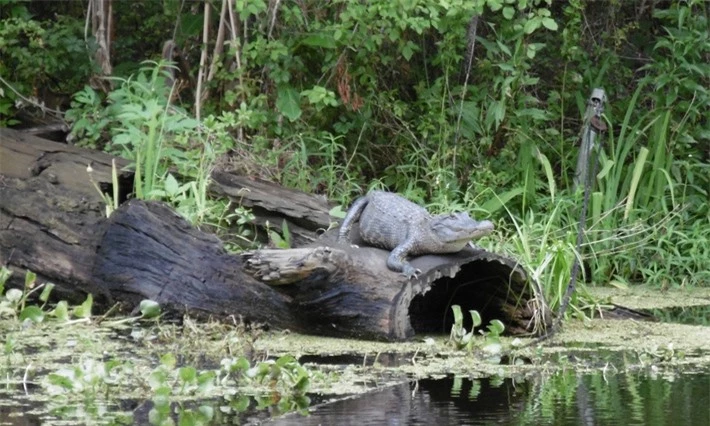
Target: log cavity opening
(482,285)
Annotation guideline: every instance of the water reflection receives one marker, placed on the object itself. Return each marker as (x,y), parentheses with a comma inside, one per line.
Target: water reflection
(693,315)
(564,398)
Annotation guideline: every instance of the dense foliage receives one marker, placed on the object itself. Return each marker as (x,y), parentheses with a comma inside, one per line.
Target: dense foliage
(455,103)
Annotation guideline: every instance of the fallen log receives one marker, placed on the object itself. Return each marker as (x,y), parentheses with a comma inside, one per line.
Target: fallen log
(52,231)
(305,215)
(64,166)
(147,251)
(54,225)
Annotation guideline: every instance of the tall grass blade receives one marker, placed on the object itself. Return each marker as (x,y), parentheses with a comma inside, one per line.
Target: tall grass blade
(638,171)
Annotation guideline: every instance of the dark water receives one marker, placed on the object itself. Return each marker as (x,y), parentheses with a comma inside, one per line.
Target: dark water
(694,315)
(564,398)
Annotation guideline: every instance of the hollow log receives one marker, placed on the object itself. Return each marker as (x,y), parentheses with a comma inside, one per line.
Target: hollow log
(52,221)
(148,251)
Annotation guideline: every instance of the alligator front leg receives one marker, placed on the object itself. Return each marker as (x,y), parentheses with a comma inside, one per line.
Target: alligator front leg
(397,260)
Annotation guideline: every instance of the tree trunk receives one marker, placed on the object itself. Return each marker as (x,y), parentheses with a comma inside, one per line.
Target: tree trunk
(52,222)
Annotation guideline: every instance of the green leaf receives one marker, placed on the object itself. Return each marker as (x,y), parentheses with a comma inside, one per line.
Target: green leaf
(149,309)
(475,317)
(205,380)
(191,24)
(499,201)
(30,278)
(550,24)
(46,291)
(606,167)
(496,327)
(33,313)
(5,274)
(288,102)
(325,41)
(495,5)
(531,25)
(171,185)
(508,12)
(338,212)
(408,50)
(61,381)
(458,316)
(84,310)
(187,374)
(168,360)
(61,311)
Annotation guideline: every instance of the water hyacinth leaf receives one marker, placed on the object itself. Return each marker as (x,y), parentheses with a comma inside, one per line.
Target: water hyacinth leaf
(242,364)
(476,317)
(149,309)
(205,381)
(46,291)
(285,360)
(458,316)
(157,378)
(61,311)
(240,404)
(496,327)
(168,360)
(84,310)
(206,412)
(30,278)
(13,295)
(187,374)
(33,313)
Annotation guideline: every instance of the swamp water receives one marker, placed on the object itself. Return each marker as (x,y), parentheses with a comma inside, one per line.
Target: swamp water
(598,372)
(563,398)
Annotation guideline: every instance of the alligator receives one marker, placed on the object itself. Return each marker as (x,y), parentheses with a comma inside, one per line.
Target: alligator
(392,222)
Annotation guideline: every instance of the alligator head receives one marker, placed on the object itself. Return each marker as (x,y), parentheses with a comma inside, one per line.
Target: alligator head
(458,228)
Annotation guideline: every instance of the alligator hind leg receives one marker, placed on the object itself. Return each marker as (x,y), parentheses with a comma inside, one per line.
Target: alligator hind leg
(397,260)
(353,215)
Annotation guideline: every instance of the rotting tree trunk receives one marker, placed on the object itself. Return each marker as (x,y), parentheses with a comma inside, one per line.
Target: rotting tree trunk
(305,215)
(51,231)
(150,252)
(51,222)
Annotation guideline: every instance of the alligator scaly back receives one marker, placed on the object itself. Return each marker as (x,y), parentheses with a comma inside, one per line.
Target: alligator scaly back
(392,222)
